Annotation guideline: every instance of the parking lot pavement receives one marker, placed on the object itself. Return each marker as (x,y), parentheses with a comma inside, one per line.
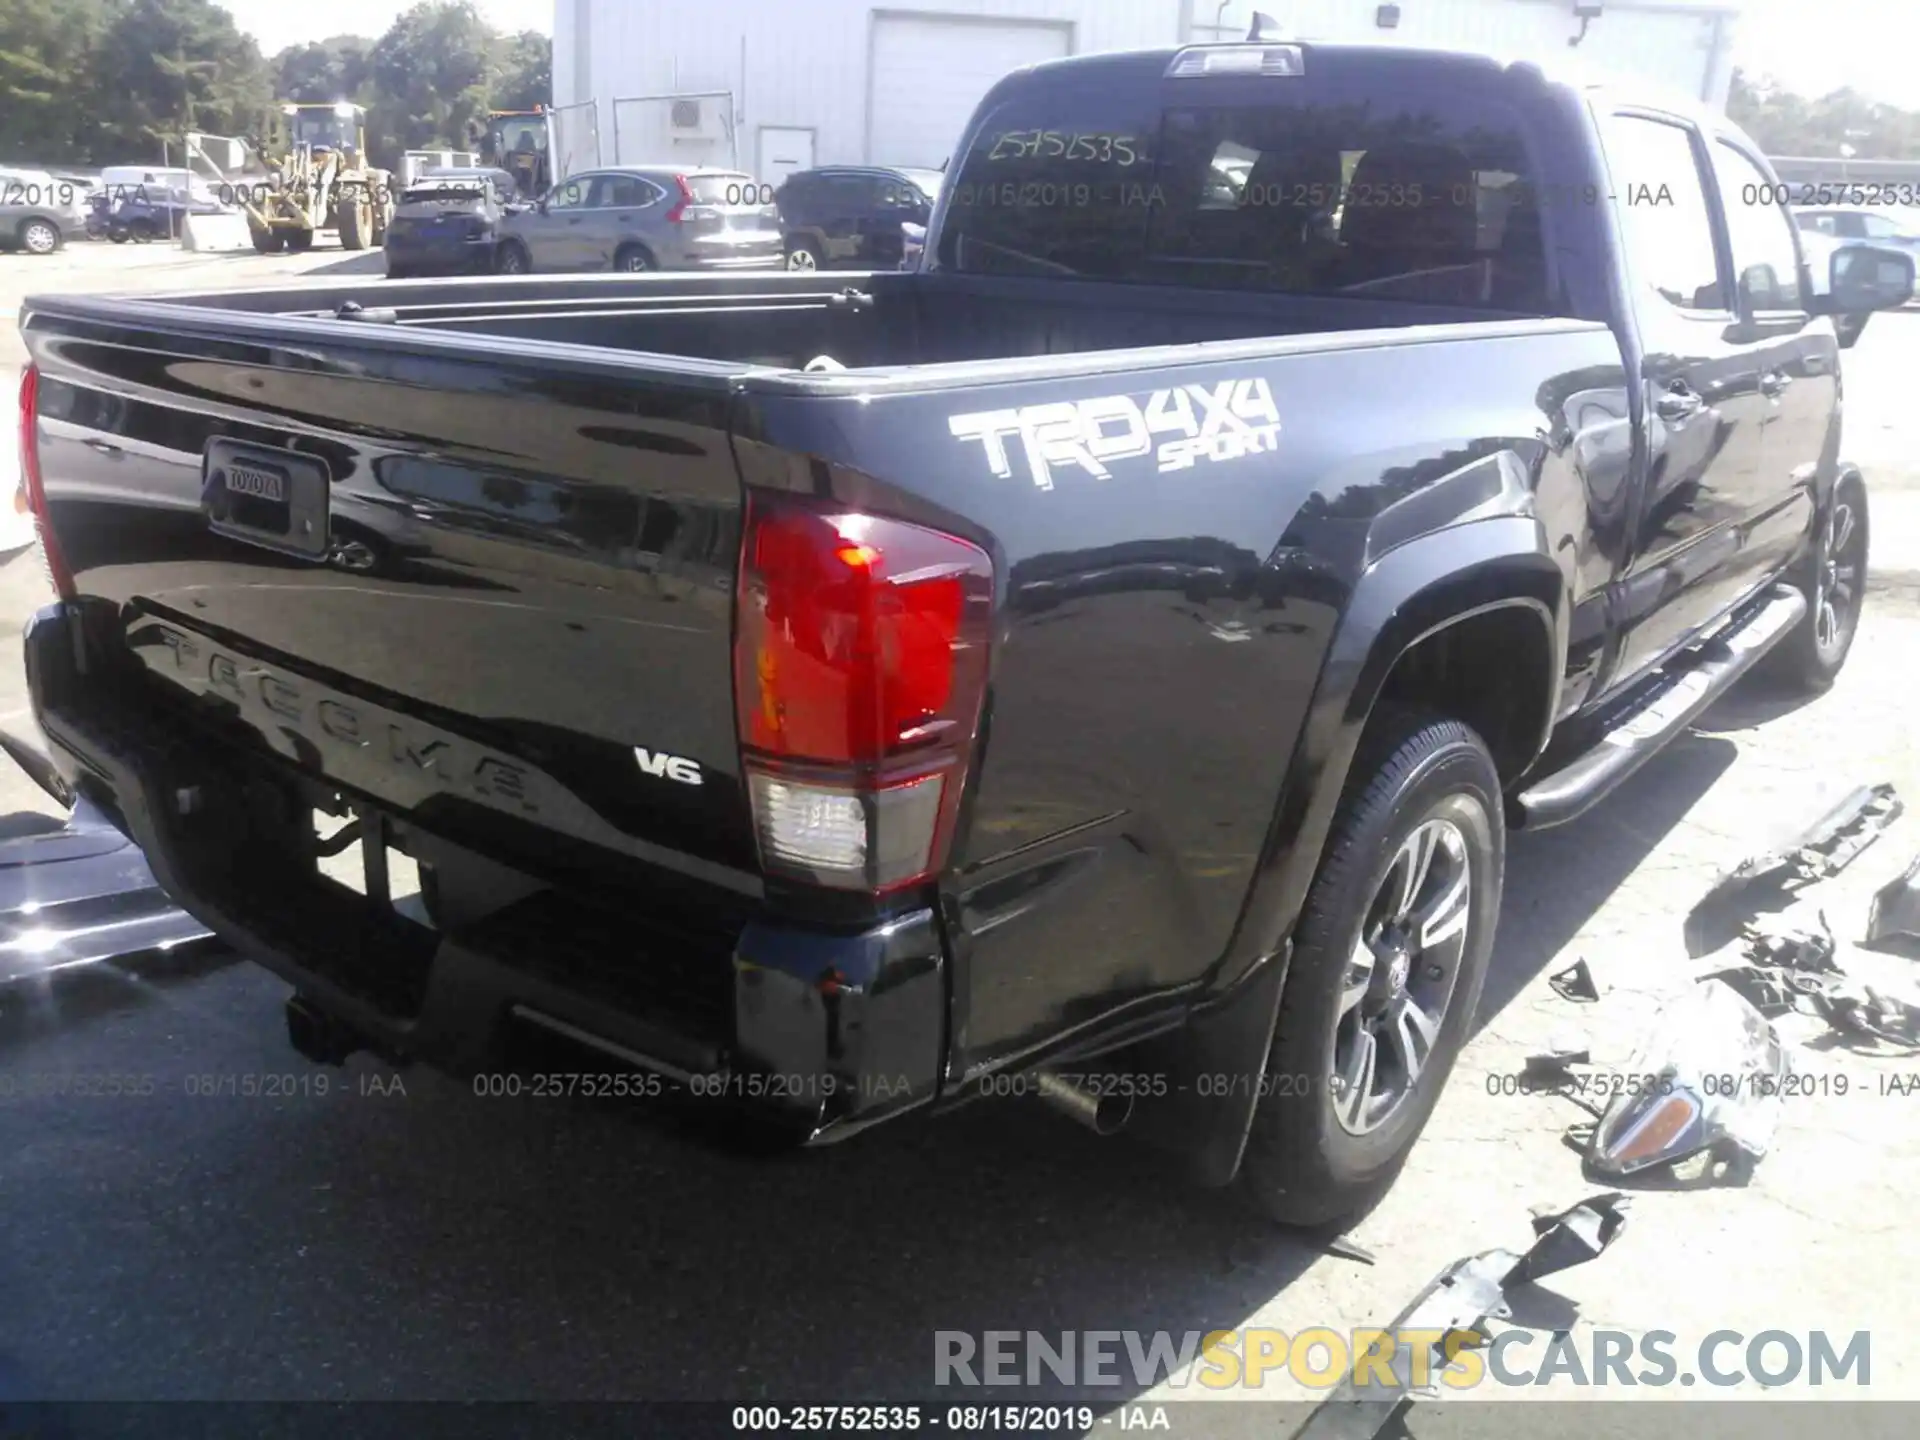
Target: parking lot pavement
(431,1244)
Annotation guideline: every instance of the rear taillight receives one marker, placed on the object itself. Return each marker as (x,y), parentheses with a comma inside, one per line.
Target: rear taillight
(679,211)
(860,665)
(32,495)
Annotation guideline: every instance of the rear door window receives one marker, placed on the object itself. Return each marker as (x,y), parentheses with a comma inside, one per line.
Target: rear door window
(1353,179)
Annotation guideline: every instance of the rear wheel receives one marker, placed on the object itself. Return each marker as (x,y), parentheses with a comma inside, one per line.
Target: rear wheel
(802,255)
(1834,580)
(267,242)
(512,259)
(39,237)
(1389,958)
(632,260)
(299,240)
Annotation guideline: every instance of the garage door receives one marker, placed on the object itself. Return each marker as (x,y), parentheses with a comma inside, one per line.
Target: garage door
(928,74)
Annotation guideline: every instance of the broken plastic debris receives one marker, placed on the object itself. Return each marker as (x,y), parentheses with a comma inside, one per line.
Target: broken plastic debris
(1575,983)
(1709,1078)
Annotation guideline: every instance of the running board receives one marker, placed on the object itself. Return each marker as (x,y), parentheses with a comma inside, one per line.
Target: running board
(1642,733)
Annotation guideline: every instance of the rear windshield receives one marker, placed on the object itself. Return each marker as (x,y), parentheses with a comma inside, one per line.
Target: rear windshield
(1353,184)
(725,189)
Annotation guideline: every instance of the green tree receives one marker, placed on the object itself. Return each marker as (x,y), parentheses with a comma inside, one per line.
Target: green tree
(1785,123)
(323,70)
(168,66)
(430,78)
(523,71)
(47,78)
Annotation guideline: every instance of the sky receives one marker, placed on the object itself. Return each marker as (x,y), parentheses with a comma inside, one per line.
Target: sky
(277,24)
(1813,45)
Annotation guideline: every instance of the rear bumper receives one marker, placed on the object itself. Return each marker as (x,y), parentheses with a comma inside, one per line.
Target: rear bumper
(818,1034)
(449,253)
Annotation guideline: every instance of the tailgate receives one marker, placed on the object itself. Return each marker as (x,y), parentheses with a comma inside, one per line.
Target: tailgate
(459,578)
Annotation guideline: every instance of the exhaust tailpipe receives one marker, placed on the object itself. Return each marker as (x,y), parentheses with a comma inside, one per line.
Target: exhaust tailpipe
(1102,1114)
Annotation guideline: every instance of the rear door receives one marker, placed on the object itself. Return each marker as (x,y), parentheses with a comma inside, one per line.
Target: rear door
(1700,379)
(623,210)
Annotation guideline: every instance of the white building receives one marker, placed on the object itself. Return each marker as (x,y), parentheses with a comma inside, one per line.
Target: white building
(774,86)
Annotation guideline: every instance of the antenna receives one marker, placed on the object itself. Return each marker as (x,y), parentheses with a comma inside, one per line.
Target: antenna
(1264,27)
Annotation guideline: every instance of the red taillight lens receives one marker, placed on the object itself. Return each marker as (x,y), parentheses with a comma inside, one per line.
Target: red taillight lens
(860,664)
(679,211)
(33,488)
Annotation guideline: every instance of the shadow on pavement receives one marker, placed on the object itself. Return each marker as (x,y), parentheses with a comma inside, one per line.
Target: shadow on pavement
(1558,879)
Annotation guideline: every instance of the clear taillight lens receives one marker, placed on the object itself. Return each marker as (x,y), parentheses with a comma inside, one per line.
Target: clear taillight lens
(860,664)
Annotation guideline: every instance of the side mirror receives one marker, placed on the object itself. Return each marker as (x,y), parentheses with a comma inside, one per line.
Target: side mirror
(1865,278)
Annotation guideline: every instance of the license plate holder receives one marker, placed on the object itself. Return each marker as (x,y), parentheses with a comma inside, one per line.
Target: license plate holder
(276,499)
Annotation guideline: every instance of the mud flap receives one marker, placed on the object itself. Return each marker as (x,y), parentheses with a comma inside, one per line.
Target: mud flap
(1214,1066)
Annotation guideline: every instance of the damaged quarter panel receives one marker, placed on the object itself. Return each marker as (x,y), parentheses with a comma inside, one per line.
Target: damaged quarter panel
(1176,544)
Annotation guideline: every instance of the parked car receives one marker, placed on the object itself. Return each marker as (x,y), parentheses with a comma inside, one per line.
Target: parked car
(645,218)
(853,217)
(39,212)
(140,204)
(1103,663)
(448,222)
(1847,223)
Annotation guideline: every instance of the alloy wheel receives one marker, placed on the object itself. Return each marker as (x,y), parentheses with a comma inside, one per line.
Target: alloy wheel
(1840,583)
(1401,976)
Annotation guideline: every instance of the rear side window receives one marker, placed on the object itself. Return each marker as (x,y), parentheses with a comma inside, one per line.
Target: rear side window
(1348,182)
(623,192)
(1662,205)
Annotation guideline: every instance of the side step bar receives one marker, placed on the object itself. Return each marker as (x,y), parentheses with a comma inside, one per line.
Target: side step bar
(1641,734)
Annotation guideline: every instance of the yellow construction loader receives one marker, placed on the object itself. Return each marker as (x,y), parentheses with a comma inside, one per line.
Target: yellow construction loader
(317,178)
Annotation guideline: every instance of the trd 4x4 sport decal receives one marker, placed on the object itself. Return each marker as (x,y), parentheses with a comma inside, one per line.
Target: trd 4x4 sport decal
(1205,422)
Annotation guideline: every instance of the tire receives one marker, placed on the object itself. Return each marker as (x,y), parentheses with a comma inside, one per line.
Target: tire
(1834,580)
(632,260)
(398,272)
(512,259)
(119,236)
(298,241)
(142,231)
(1320,1150)
(39,237)
(804,255)
(355,223)
(267,242)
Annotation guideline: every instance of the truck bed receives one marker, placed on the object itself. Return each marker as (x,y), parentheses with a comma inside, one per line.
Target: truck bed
(880,321)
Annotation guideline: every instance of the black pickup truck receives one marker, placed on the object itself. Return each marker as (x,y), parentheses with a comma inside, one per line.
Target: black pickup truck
(1104,662)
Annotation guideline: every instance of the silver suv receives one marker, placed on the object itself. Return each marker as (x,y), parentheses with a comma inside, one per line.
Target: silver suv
(39,212)
(646,217)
